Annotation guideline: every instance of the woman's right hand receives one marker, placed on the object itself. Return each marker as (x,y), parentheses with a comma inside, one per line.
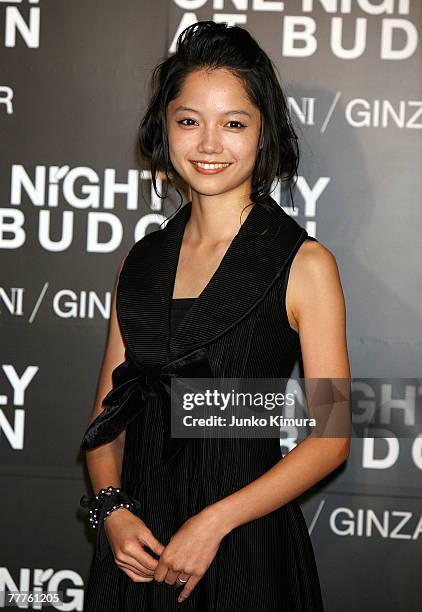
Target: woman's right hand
(127,534)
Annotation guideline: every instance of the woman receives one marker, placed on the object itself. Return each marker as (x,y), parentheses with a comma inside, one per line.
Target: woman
(231,287)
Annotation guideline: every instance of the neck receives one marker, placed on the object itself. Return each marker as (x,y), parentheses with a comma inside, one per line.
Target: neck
(217,218)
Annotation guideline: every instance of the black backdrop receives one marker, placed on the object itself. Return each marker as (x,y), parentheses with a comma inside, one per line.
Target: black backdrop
(74,81)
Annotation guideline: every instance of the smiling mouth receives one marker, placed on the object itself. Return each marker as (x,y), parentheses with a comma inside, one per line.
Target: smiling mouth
(209,167)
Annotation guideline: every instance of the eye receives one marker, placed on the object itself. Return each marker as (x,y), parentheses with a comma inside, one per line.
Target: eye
(241,125)
(182,120)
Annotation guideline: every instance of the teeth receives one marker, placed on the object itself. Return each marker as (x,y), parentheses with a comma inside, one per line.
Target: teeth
(210,166)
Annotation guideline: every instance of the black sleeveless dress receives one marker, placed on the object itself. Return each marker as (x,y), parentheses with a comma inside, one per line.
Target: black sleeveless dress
(237,327)
(179,308)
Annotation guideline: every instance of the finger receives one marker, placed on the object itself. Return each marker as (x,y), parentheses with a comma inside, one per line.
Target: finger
(188,588)
(151,541)
(180,577)
(141,556)
(160,571)
(127,566)
(126,561)
(138,559)
(136,577)
(171,577)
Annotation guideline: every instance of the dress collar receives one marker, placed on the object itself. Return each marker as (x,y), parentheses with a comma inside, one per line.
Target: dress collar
(253,261)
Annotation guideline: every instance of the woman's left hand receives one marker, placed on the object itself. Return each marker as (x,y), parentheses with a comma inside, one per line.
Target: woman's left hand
(190,551)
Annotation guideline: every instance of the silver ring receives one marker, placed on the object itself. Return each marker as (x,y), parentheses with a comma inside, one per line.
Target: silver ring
(182,581)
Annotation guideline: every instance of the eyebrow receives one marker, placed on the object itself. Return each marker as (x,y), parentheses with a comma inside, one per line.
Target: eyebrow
(230,112)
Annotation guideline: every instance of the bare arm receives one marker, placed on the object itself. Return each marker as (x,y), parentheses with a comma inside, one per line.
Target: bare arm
(317,305)
(105,462)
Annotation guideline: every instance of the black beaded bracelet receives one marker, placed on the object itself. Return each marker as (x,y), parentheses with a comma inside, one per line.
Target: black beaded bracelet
(101,506)
(96,503)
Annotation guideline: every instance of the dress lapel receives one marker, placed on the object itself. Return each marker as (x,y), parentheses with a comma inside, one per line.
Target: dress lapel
(250,266)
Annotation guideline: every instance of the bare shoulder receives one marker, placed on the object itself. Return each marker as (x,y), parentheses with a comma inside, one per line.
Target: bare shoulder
(314,278)
(313,262)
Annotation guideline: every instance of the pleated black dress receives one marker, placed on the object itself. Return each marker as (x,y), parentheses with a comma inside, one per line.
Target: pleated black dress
(237,327)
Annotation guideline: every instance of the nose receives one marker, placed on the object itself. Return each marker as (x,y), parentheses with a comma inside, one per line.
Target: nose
(209,141)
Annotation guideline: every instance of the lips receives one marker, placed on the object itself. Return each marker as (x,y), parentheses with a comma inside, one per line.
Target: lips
(209,168)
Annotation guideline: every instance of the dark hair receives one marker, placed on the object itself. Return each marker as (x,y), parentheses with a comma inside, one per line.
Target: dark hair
(209,45)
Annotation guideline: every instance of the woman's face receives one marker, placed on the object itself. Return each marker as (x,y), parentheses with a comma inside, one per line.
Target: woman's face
(213,121)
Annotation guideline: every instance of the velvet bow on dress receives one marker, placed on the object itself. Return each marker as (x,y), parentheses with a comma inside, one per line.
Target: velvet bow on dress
(133,385)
